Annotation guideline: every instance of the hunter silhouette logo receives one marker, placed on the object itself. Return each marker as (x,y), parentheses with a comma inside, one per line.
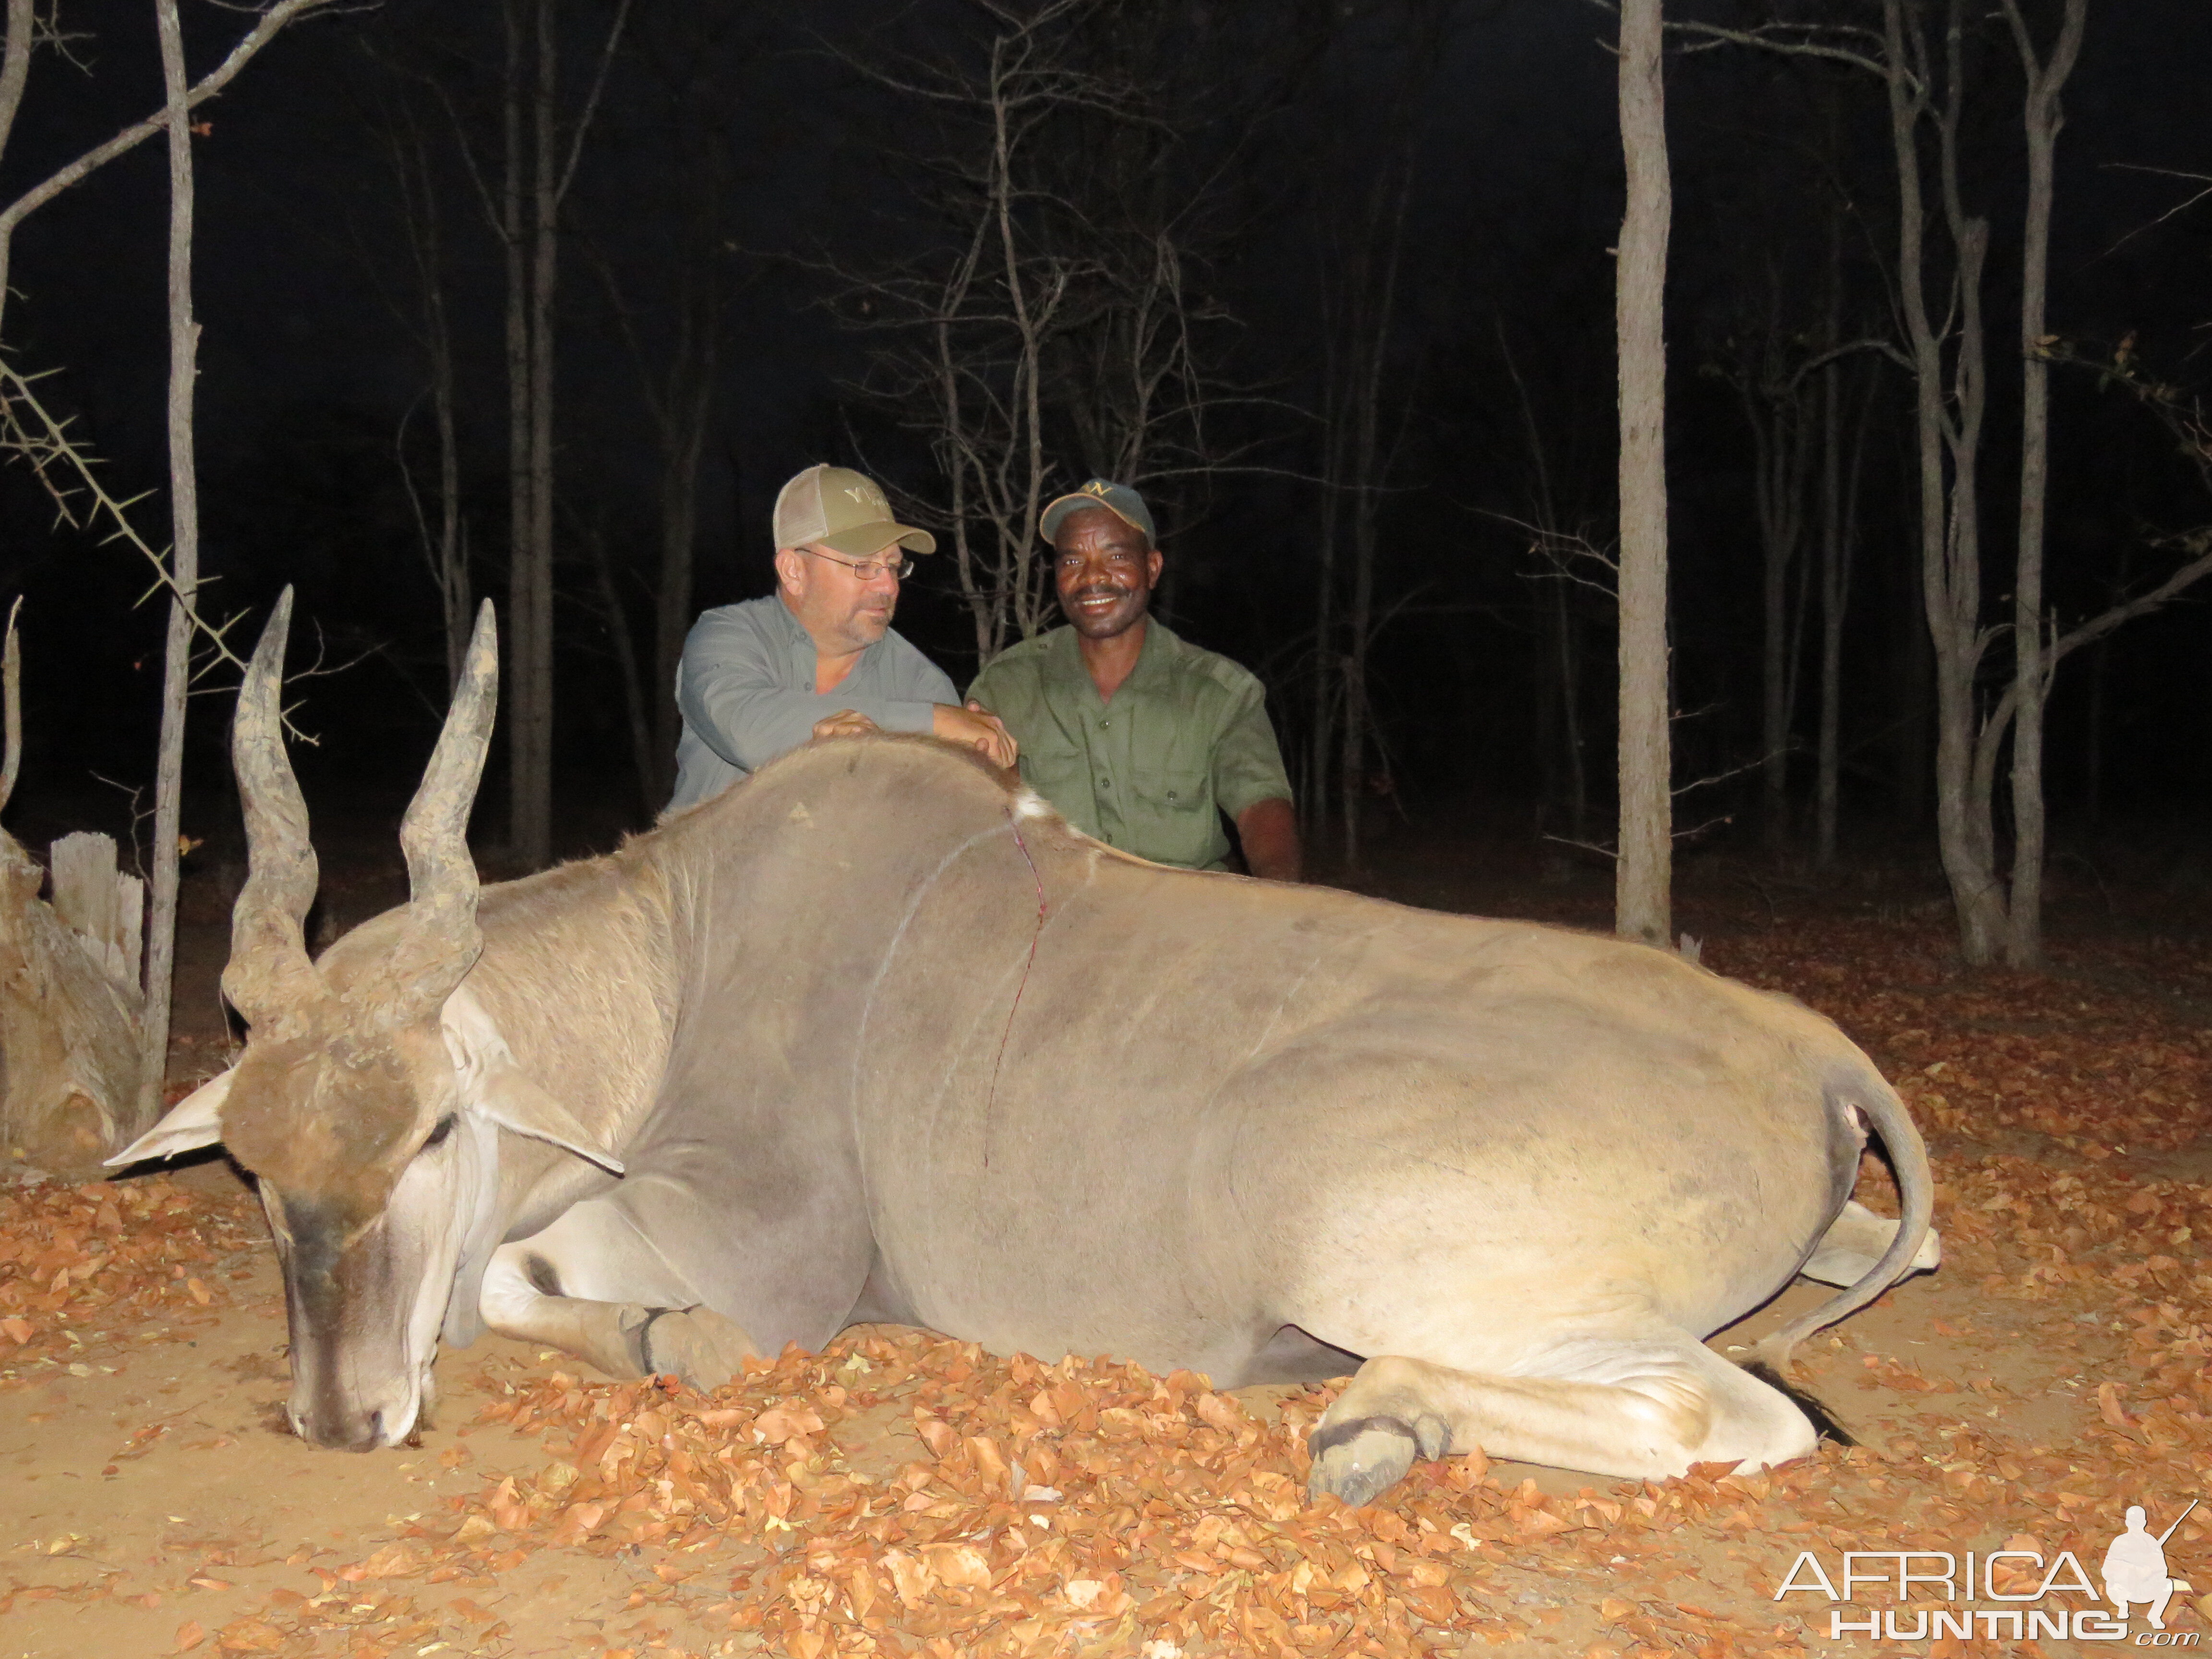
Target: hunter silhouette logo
(2135,1567)
(2134,1570)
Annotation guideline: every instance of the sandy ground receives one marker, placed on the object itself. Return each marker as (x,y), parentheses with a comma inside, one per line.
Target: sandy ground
(860,1501)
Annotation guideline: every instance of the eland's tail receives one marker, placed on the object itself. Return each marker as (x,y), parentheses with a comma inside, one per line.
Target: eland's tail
(1861,1088)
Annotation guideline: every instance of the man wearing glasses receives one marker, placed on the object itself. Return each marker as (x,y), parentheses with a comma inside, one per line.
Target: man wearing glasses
(1137,737)
(816,657)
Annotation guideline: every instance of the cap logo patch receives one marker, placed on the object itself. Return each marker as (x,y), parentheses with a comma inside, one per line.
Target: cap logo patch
(1096,486)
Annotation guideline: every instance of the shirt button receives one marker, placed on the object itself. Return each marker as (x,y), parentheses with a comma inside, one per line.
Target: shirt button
(1105,783)
(1102,725)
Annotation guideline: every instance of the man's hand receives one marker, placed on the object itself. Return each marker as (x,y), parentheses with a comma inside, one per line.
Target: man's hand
(845,723)
(978,728)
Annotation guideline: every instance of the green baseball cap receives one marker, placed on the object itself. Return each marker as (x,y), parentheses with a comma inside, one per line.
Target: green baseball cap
(844,511)
(1123,502)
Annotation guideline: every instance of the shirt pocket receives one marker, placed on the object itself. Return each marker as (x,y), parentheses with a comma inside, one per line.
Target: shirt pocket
(1179,825)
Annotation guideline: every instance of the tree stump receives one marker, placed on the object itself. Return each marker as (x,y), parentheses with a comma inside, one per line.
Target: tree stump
(68,1010)
(69,1002)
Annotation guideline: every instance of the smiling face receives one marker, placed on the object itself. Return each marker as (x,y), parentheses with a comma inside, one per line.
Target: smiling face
(1105,572)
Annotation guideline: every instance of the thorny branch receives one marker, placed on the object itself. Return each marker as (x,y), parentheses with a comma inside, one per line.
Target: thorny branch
(29,431)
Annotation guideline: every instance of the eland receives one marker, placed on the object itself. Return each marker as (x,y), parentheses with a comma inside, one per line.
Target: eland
(875,1035)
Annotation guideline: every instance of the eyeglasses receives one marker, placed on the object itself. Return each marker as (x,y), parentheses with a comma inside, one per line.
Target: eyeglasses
(898,570)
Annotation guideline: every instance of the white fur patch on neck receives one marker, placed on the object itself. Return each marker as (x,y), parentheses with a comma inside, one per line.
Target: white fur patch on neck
(1028,803)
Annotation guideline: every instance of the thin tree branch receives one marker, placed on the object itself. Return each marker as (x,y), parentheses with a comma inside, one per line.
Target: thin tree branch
(272,22)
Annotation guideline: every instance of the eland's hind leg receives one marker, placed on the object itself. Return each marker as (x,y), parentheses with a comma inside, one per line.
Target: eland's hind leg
(592,1284)
(1643,1408)
(1855,1240)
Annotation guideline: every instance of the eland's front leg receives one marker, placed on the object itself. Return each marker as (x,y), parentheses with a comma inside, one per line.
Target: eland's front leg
(592,1285)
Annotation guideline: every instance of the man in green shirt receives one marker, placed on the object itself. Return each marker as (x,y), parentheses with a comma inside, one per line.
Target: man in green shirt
(1134,736)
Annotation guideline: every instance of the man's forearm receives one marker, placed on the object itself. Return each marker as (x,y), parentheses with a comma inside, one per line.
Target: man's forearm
(749,726)
(1269,831)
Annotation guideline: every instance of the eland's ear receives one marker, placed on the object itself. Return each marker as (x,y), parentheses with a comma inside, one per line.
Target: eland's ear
(194,1122)
(519,1106)
(492,1083)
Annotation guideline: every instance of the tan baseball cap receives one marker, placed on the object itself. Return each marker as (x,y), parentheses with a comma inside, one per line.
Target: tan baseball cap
(838,508)
(1123,502)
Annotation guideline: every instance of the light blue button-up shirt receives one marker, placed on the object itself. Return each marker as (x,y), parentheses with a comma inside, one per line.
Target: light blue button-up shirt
(746,692)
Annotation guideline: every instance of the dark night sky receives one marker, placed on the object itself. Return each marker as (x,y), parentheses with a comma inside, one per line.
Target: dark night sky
(305,370)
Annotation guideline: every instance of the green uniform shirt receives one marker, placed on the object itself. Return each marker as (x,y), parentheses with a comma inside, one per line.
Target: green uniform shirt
(1185,739)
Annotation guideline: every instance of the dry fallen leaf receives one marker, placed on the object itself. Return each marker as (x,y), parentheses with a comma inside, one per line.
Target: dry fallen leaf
(1157,1516)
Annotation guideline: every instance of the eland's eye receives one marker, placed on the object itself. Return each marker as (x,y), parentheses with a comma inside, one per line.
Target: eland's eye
(438,1135)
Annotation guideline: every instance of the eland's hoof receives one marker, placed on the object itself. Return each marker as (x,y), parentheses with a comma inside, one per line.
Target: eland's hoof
(696,1344)
(1360,1459)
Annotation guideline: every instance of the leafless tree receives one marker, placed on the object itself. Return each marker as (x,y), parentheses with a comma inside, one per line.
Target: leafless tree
(1059,318)
(184,565)
(1557,546)
(1364,248)
(1843,468)
(968,339)
(672,321)
(1769,369)
(423,311)
(1919,52)
(2045,73)
(678,387)
(538,155)
(1644,870)
(26,30)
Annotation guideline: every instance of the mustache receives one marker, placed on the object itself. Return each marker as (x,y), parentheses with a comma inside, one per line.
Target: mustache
(1098,590)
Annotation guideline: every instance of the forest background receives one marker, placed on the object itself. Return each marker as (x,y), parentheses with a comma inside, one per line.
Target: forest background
(542,302)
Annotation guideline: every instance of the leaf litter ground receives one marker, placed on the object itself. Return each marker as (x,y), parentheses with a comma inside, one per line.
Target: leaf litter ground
(901,1493)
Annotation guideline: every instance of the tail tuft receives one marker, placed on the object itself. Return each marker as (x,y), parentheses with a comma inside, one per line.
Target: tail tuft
(1822,1419)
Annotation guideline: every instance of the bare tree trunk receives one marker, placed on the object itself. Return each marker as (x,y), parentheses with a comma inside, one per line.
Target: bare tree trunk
(644,759)
(1774,408)
(455,591)
(1571,698)
(679,540)
(1373,312)
(531,609)
(1643,907)
(424,228)
(1839,513)
(530,225)
(2031,662)
(22,24)
(1950,552)
(1359,618)
(1832,583)
(522,538)
(1559,619)
(185,564)
(1328,675)
(2093,758)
